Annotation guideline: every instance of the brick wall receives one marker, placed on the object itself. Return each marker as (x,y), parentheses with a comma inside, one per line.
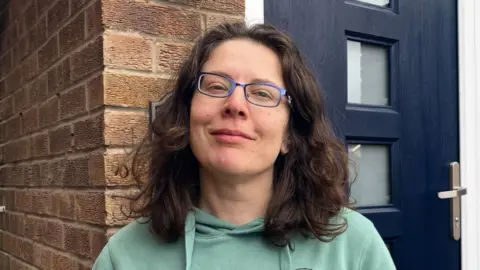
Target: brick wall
(75,80)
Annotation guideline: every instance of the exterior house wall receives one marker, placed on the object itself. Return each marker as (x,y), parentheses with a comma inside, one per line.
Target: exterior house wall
(76,77)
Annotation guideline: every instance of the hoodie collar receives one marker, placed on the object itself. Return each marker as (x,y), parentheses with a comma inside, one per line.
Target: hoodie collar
(201,222)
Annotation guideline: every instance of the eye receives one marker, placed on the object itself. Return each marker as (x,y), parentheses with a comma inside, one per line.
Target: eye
(217,86)
(262,93)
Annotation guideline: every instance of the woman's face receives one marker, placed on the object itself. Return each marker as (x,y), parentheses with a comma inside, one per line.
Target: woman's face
(231,135)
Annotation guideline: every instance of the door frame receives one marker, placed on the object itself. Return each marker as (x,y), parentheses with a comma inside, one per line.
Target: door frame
(469,70)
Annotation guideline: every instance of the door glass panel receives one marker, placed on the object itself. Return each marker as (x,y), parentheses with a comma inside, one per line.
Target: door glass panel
(370,170)
(382,3)
(367,73)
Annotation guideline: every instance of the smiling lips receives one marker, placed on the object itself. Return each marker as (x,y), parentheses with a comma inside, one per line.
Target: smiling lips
(230,136)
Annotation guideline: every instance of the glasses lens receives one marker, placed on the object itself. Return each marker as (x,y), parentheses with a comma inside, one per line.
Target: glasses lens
(214,85)
(263,95)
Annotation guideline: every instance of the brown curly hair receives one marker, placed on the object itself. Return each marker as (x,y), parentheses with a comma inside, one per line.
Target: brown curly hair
(310,181)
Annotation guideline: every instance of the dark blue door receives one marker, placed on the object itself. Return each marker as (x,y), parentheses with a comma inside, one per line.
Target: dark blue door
(389,70)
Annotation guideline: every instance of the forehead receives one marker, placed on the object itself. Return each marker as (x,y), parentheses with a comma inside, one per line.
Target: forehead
(245,60)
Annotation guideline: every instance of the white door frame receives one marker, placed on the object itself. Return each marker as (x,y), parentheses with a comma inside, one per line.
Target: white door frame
(469,111)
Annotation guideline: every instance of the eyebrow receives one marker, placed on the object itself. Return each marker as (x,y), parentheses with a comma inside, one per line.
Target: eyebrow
(256,80)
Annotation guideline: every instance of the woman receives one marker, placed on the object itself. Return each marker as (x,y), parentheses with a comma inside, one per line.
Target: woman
(244,170)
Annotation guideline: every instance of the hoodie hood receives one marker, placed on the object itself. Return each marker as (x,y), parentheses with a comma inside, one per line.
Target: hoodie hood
(201,223)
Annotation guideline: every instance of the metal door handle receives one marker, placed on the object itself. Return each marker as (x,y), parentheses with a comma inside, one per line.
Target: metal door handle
(454,194)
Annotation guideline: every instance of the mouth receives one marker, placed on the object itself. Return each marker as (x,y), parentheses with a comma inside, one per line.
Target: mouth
(231,134)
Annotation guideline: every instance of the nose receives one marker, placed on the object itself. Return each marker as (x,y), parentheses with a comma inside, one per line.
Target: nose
(236,104)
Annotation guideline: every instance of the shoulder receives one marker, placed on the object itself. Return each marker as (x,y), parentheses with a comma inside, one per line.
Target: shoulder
(132,232)
(135,246)
(360,246)
(362,236)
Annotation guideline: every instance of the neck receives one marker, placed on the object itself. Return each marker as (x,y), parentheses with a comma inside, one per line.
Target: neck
(237,200)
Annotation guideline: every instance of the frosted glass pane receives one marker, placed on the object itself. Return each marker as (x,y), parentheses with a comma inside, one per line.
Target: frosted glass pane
(367,73)
(382,3)
(372,167)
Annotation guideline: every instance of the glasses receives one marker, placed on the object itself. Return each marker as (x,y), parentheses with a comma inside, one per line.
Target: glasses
(260,94)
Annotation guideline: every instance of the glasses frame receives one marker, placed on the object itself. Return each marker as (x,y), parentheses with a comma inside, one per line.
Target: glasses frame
(283,92)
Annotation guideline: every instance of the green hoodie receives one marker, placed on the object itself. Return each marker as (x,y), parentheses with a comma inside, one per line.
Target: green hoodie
(211,244)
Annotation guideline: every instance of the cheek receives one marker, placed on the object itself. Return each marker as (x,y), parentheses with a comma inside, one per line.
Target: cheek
(273,127)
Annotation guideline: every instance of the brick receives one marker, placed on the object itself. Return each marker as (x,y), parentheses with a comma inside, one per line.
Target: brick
(57,14)
(38,174)
(20,50)
(94,18)
(3,137)
(63,205)
(43,203)
(21,99)
(33,228)
(124,128)
(151,19)
(14,127)
(132,90)
(43,5)
(59,77)
(10,199)
(25,248)
(96,169)
(117,204)
(10,243)
(19,265)
(14,80)
(3,177)
(76,172)
(3,225)
(128,52)
(16,223)
(88,60)
(53,233)
(30,15)
(42,257)
(73,102)
(170,56)
(49,112)
(38,33)
(118,170)
(77,240)
(6,63)
(57,170)
(17,150)
(214,20)
(9,36)
(15,176)
(30,121)
(38,90)
(39,145)
(228,6)
(48,54)
(79,4)
(30,66)
(89,207)
(95,93)
(60,139)
(4,261)
(98,239)
(23,201)
(6,108)
(89,133)
(72,35)
(59,261)
(16,8)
